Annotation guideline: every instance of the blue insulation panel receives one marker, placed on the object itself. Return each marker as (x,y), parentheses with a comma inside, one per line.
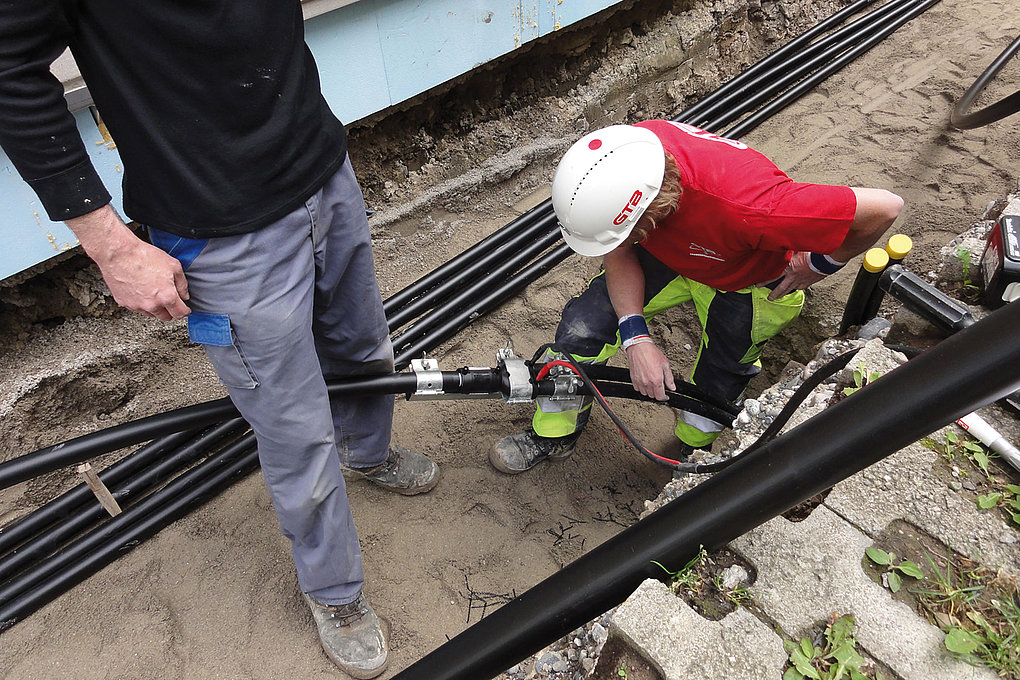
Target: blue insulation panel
(371,54)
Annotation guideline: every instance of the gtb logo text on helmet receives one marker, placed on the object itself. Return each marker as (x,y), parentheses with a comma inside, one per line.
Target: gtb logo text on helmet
(628,209)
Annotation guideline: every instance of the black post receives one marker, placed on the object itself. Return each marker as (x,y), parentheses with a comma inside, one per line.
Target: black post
(963,373)
(875,260)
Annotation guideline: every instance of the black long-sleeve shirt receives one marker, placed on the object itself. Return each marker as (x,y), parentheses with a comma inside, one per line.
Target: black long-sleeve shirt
(214,105)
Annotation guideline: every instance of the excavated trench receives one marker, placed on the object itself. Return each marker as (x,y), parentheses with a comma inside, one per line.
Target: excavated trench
(215,593)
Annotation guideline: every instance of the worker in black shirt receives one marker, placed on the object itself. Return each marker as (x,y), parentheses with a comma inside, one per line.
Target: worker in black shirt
(257,233)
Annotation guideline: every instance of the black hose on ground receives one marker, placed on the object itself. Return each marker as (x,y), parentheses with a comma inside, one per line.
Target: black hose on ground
(112,529)
(88,514)
(783,74)
(217,475)
(809,83)
(467,296)
(466,314)
(960,118)
(542,230)
(32,524)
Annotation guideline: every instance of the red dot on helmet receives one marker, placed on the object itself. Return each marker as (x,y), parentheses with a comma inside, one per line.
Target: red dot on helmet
(594,144)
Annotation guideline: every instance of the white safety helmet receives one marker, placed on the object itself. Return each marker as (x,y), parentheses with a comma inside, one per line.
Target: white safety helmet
(603,184)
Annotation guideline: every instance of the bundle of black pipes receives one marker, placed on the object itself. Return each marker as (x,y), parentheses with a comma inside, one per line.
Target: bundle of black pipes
(451,297)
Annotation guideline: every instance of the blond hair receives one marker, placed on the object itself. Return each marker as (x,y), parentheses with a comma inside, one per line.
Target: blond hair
(664,203)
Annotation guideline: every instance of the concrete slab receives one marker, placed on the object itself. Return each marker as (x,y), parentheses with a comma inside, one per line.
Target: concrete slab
(683,645)
(809,569)
(905,486)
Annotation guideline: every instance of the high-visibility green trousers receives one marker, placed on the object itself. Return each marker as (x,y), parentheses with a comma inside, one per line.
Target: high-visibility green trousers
(734,328)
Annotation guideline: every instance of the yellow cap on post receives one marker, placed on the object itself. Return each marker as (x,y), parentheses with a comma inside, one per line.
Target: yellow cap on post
(875,260)
(898,246)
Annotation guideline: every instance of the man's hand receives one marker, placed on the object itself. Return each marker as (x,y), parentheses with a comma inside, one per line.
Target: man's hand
(141,277)
(649,370)
(798,275)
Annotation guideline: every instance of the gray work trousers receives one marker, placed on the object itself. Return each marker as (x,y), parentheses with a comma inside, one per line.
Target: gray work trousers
(279,310)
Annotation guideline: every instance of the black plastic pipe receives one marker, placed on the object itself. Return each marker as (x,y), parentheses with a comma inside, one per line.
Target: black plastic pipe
(968,370)
(778,77)
(32,524)
(199,490)
(80,549)
(897,248)
(866,281)
(786,51)
(468,311)
(438,275)
(507,271)
(499,262)
(925,300)
(86,515)
(809,83)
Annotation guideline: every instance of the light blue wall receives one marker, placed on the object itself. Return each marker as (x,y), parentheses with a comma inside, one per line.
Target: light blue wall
(371,54)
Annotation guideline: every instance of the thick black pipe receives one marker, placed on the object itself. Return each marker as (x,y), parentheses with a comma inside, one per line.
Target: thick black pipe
(925,300)
(54,457)
(498,262)
(809,83)
(787,51)
(438,275)
(508,270)
(200,490)
(88,514)
(770,81)
(469,310)
(968,370)
(874,262)
(80,549)
(872,25)
(32,524)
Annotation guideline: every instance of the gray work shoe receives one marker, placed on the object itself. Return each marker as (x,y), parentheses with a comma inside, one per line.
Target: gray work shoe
(519,452)
(405,471)
(351,635)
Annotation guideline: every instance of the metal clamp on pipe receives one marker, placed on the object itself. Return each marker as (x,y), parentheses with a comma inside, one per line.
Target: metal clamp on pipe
(517,385)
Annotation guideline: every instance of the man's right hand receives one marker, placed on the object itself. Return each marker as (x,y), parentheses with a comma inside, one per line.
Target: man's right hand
(650,373)
(141,277)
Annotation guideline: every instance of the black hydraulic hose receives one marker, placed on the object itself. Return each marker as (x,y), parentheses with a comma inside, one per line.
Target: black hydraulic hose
(871,25)
(959,117)
(438,275)
(968,370)
(87,516)
(799,90)
(30,525)
(509,270)
(779,76)
(200,488)
(467,313)
(500,261)
(152,504)
(673,400)
(788,50)
(622,375)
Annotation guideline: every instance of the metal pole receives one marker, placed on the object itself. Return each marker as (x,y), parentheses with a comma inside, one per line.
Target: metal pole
(968,370)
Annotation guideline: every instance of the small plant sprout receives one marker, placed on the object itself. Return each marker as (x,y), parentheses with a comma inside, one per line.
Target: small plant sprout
(837,659)
(892,575)
(1008,499)
(622,671)
(953,446)
(861,378)
(686,577)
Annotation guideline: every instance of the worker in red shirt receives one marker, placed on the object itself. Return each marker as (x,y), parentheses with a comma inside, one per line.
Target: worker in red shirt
(679,214)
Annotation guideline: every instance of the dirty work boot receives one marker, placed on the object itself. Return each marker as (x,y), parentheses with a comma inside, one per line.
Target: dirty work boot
(405,471)
(519,452)
(351,635)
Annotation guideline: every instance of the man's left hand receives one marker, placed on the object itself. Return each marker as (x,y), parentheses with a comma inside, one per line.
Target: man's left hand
(798,275)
